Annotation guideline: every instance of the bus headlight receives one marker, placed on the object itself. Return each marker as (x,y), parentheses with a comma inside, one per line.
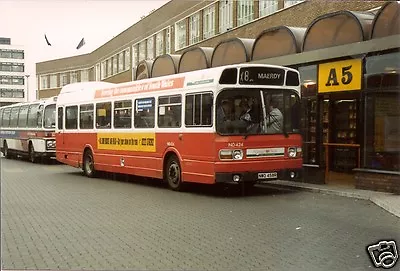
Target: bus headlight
(231,154)
(292,152)
(237,155)
(51,144)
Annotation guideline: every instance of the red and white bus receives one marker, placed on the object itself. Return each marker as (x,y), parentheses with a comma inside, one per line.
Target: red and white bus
(210,126)
(27,129)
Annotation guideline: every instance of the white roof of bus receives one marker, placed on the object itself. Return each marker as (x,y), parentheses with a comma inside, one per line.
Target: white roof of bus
(86,91)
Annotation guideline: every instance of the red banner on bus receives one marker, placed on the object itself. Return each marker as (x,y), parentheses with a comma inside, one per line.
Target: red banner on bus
(143,87)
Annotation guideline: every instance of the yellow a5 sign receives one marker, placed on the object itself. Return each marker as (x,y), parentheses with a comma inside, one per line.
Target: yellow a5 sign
(340,76)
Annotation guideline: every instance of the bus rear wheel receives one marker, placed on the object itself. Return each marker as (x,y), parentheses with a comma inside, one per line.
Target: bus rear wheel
(88,164)
(173,174)
(31,153)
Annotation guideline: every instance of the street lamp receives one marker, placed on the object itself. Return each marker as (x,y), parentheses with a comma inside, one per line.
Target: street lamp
(27,87)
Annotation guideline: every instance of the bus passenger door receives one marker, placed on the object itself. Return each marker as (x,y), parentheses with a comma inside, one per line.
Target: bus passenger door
(60,129)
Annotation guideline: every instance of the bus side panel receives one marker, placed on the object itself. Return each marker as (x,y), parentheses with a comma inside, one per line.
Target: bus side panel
(196,151)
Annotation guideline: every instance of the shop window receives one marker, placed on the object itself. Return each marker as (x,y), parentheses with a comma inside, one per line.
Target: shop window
(169,111)
(198,109)
(103,115)
(144,113)
(86,116)
(382,139)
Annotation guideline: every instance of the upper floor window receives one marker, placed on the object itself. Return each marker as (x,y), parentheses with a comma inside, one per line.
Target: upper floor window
(245,11)
(142,50)
(115,64)
(209,22)
(103,70)
(121,62)
(44,82)
(150,48)
(85,74)
(53,81)
(109,67)
(127,62)
(180,35)
(289,3)
(63,79)
(225,15)
(194,26)
(73,77)
(160,43)
(267,7)
(134,55)
(168,40)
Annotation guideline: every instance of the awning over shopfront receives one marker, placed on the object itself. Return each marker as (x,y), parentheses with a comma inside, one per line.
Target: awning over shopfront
(143,69)
(387,21)
(337,28)
(278,41)
(165,65)
(195,58)
(232,51)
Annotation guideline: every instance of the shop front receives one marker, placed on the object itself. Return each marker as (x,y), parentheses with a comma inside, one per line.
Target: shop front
(380,165)
(331,121)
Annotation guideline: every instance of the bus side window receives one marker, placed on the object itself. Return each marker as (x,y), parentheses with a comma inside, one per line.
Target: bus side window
(198,109)
(1,118)
(144,113)
(14,117)
(86,116)
(71,117)
(60,118)
(103,115)
(23,116)
(170,111)
(123,114)
(33,116)
(6,117)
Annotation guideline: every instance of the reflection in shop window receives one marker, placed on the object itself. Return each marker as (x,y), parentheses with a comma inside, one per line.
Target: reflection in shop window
(382,139)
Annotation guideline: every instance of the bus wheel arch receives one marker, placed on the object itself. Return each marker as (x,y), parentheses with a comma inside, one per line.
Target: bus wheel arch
(172,171)
(88,163)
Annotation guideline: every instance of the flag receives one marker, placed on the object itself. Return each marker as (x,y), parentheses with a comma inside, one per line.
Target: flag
(47,41)
(81,43)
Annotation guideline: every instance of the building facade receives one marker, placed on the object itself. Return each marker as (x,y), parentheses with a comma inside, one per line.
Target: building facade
(12,73)
(347,54)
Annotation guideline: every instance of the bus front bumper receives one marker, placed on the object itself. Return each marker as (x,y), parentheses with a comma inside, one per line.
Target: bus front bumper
(258,177)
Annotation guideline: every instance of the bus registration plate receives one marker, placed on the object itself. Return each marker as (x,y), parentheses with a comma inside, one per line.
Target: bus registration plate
(267,175)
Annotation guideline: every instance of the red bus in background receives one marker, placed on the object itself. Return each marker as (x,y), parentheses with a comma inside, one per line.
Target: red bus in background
(230,124)
(27,129)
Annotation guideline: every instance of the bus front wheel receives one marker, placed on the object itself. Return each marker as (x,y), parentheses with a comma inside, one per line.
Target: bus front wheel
(88,164)
(173,173)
